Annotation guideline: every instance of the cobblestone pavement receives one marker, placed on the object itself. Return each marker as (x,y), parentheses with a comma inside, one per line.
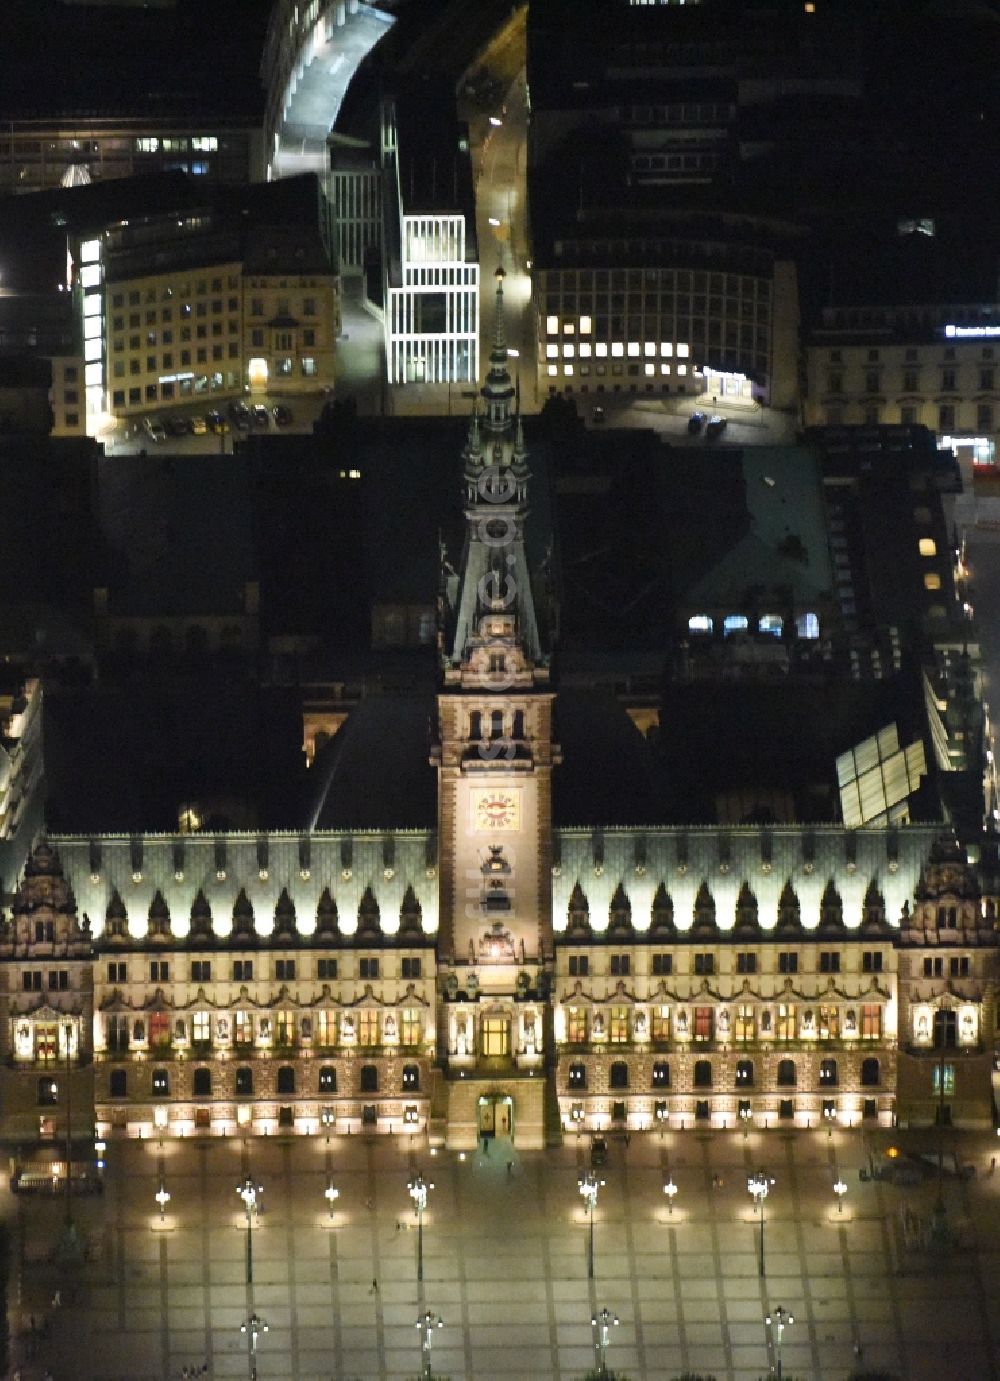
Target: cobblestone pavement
(505,1252)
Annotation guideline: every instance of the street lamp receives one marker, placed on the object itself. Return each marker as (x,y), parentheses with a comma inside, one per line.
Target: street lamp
(670,1189)
(69,1248)
(745,1115)
(780,1320)
(830,1115)
(427,1324)
(162,1197)
(588,1186)
(248,1192)
(418,1188)
(758,1186)
(254,1327)
(331,1195)
(840,1189)
(603,1322)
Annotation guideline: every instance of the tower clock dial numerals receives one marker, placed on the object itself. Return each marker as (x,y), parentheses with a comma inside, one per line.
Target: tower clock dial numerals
(496,808)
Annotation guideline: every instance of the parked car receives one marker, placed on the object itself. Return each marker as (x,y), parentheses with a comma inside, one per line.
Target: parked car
(154,429)
(597,414)
(260,415)
(716,426)
(282,415)
(199,425)
(240,415)
(599,1151)
(177,425)
(217,424)
(695,423)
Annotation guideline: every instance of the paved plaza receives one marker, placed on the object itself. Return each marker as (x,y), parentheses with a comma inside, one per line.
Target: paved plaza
(505,1249)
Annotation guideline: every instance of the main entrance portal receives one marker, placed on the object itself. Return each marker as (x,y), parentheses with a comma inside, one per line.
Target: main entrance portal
(496,1115)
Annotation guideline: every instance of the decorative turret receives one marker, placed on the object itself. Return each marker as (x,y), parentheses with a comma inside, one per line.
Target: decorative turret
(327,920)
(704,910)
(789,910)
(44,917)
(410,914)
(201,919)
(158,919)
(244,930)
(578,916)
(116,919)
(620,914)
(285,925)
(873,909)
(661,916)
(369,916)
(746,917)
(831,908)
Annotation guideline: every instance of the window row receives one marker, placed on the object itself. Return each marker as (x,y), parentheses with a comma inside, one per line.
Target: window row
(366,1026)
(704,963)
(244,970)
(202,1082)
(621,1024)
(166,293)
(787,1074)
(806,625)
(703,1110)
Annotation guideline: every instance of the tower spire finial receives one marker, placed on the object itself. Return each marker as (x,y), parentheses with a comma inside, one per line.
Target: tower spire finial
(498,390)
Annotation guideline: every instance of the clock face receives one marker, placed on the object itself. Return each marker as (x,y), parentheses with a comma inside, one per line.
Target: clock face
(496,808)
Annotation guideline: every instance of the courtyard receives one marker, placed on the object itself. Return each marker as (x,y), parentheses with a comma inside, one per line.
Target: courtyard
(162,1283)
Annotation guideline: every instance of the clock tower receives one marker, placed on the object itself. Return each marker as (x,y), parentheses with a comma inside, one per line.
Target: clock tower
(494,755)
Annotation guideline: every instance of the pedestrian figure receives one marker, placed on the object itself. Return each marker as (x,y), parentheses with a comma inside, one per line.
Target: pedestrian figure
(369,1204)
(486,1144)
(628,1140)
(510,1167)
(857,1347)
(374,1289)
(31,1320)
(57,1299)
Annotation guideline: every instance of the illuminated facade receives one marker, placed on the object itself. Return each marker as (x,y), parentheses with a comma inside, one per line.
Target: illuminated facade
(496,974)
(943,372)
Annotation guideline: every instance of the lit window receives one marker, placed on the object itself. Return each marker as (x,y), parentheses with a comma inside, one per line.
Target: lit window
(90,276)
(683,351)
(617,350)
(682,369)
(735,623)
(649,348)
(569,351)
(633,349)
(568,370)
(649,370)
(551,352)
(90,251)
(666,348)
(807,626)
(585,349)
(601,350)
(569,328)
(664,369)
(928,546)
(551,325)
(932,581)
(553,370)
(770,623)
(700,623)
(585,326)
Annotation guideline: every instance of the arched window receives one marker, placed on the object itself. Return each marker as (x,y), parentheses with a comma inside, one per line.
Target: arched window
(772,624)
(871,1073)
(496,724)
(48,1093)
(828,1072)
(744,1073)
(786,1073)
(118,1083)
(369,1078)
(661,1074)
(578,1076)
(734,623)
(703,1073)
(807,626)
(411,1078)
(475,725)
(202,1085)
(700,623)
(161,1083)
(244,1082)
(286,1079)
(619,1074)
(327,1079)
(518,732)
